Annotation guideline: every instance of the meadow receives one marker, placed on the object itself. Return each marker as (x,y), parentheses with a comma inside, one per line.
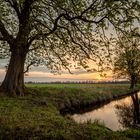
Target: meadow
(38,115)
(70,97)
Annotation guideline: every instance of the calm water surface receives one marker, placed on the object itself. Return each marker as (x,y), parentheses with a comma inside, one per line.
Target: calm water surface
(106,114)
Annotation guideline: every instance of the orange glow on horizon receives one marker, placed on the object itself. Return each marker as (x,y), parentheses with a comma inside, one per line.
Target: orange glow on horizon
(94,76)
(84,76)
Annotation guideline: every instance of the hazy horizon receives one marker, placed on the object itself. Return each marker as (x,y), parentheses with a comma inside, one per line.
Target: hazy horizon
(42,74)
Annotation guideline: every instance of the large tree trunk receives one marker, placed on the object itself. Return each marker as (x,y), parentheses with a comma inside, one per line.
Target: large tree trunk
(13,83)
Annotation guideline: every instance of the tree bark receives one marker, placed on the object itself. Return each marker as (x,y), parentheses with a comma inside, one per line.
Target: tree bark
(132,85)
(13,83)
(133,82)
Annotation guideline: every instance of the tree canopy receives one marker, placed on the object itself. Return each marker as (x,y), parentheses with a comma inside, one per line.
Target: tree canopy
(127,62)
(54,33)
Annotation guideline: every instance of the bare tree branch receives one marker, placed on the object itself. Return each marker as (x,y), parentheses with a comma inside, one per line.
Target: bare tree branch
(84,19)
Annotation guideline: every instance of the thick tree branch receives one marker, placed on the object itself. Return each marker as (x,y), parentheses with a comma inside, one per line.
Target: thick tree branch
(37,36)
(67,17)
(27,5)
(6,36)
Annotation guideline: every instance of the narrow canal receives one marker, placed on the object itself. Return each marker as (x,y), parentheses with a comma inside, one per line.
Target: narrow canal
(116,115)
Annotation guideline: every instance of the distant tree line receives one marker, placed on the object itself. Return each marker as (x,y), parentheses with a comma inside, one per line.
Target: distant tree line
(79,82)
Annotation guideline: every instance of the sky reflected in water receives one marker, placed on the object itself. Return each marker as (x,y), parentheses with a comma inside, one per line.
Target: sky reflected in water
(106,114)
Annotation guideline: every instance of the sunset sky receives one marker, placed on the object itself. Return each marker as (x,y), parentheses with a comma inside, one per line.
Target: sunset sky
(41,74)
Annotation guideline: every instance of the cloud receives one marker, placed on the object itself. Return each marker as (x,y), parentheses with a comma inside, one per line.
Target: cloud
(83,76)
(84,71)
(41,73)
(39,76)
(74,71)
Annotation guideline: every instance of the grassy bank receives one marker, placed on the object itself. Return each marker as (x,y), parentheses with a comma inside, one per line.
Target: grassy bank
(37,116)
(69,98)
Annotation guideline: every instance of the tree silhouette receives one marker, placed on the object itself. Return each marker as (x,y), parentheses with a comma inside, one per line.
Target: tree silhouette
(127,62)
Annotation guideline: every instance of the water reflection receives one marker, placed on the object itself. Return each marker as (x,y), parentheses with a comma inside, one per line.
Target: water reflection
(115,115)
(129,114)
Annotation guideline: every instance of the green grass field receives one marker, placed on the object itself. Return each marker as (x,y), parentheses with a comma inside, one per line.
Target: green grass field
(37,116)
(83,88)
(72,94)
